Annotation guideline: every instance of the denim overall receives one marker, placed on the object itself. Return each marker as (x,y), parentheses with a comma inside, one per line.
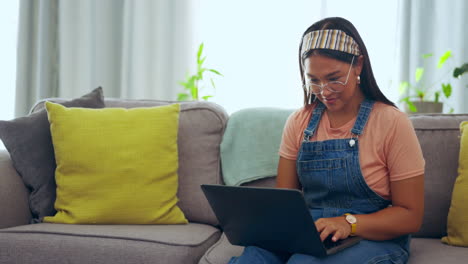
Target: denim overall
(333,185)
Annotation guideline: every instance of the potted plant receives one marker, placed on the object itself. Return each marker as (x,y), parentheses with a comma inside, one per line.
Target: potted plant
(423,98)
(194,83)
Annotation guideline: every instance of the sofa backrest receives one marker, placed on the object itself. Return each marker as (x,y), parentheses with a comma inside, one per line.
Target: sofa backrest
(439,137)
(201,127)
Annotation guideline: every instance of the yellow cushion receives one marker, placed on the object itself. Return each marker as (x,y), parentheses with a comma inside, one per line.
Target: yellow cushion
(115,165)
(457,222)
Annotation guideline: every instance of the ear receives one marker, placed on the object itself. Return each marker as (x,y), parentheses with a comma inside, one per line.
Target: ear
(358,67)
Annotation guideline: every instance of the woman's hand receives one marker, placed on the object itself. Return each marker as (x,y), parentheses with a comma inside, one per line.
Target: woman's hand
(336,226)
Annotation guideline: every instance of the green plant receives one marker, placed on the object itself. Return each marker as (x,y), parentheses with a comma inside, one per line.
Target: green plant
(194,83)
(419,91)
(459,71)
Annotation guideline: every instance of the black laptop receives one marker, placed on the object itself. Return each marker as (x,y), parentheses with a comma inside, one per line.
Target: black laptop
(270,218)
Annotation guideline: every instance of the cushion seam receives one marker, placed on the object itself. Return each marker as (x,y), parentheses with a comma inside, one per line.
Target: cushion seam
(212,248)
(206,255)
(111,237)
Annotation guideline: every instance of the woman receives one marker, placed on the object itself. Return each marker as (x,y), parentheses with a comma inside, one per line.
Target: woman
(351,151)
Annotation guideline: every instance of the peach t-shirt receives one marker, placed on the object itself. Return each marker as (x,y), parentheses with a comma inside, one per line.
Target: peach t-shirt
(388,147)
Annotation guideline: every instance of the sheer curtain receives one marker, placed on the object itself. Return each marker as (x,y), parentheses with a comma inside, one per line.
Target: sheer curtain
(133,49)
(434,26)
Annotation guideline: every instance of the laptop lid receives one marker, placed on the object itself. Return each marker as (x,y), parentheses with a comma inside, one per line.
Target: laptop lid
(270,218)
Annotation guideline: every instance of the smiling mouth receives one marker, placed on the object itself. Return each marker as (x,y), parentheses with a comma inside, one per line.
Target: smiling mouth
(329,99)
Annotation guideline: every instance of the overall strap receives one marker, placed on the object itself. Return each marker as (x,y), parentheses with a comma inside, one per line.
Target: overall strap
(314,121)
(363,116)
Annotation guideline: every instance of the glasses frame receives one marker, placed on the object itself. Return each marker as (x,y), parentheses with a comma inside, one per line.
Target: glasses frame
(322,86)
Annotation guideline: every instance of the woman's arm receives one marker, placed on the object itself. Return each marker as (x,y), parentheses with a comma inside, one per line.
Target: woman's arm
(403,217)
(287,175)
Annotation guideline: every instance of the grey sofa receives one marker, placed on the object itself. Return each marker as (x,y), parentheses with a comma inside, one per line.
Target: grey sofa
(201,129)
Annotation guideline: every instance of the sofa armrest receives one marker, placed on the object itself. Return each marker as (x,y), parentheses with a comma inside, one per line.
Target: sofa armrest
(14,206)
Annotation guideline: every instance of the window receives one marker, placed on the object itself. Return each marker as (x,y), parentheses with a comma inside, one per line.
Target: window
(8,38)
(255,45)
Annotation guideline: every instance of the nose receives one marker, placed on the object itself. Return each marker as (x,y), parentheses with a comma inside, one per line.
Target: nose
(325,92)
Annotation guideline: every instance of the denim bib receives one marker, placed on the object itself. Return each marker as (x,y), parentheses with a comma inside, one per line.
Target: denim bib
(330,172)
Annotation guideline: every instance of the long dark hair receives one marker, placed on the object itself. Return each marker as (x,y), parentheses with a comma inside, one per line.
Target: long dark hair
(368,85)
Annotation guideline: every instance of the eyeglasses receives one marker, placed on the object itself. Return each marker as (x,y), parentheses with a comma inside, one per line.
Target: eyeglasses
(333,86)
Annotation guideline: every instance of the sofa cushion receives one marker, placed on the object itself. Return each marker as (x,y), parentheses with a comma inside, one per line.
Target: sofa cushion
(429,250)
(423,250)
(115,165)
(201,127)
(61,243)
(457,222)
(28,141)
(438,135)
(221,252)
(13,195)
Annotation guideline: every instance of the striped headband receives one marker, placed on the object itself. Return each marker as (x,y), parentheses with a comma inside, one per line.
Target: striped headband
(333,39)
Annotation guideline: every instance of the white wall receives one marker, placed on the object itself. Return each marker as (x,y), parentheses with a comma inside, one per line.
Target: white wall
(9,12)
(255,45)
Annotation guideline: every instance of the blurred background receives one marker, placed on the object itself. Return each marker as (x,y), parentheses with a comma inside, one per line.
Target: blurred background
(144,48)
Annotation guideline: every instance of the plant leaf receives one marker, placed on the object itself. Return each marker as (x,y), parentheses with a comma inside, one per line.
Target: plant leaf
(206,97)
(444,58)
(403,87)
(410,104)
(215,72)
(427,55)
(451,110)
(194,93)
(212,83)
(447,89)
(200,73)
(200,63)
(412,107)
(184,84)
(199,53)
(436,97)
(418,74)
(420,94)
(191,82)
(183,97)
(457,72)
(405,99)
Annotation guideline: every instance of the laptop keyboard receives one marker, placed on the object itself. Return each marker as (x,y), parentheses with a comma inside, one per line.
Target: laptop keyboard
(329,243)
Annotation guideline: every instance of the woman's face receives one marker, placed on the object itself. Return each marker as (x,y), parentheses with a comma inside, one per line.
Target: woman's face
(328,76)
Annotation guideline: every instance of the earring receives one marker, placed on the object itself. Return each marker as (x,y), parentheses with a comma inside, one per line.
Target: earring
(359,79)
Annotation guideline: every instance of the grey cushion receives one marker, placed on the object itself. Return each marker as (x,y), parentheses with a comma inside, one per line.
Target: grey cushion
(201,127)
(428,250)
(29,143)
(60,243)
(440,143)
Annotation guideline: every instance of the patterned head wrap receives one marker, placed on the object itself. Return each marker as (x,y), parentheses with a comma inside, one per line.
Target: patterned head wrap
(333,39)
